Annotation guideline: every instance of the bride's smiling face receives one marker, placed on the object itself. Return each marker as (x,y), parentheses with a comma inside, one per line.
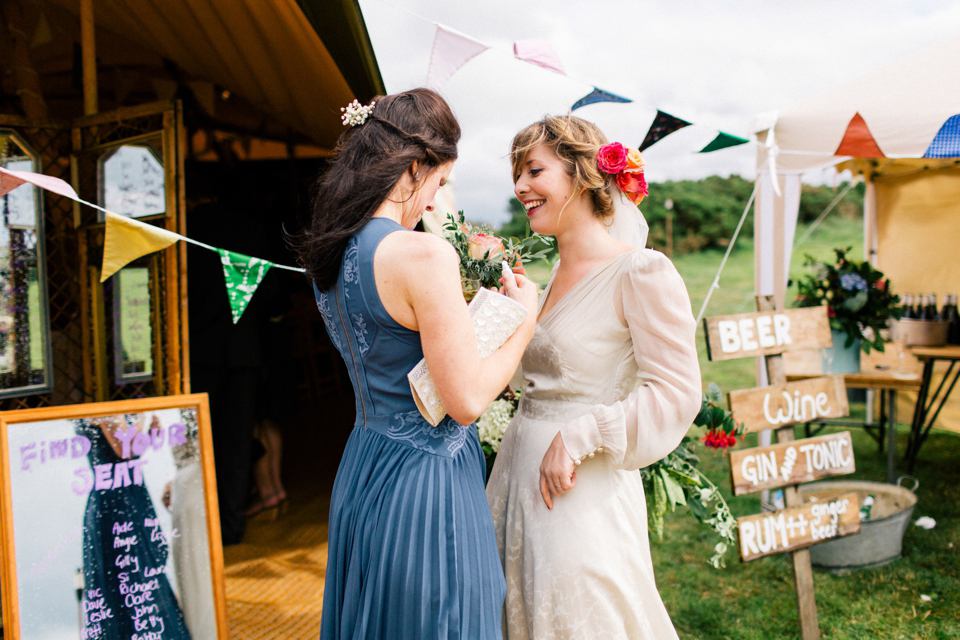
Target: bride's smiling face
(543,188)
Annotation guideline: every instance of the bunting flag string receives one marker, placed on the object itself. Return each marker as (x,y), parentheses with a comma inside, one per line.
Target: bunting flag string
(598,95)
(452,49)
(663,125)
(126,239)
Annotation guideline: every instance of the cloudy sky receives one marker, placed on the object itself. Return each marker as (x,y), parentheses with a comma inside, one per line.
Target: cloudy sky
(716,64)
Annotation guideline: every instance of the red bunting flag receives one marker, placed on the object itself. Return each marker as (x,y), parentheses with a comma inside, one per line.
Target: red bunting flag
(858,141)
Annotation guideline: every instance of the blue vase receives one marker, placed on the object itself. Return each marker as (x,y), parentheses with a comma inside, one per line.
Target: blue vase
(839,358)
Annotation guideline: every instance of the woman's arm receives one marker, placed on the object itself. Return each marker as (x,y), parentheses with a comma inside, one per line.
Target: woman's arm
(650,422)
(421,272)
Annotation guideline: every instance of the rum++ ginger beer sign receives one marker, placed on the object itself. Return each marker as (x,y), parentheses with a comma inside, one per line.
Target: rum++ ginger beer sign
(797,527)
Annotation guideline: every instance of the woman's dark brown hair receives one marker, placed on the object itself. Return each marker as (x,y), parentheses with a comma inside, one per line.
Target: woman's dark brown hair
(413,126)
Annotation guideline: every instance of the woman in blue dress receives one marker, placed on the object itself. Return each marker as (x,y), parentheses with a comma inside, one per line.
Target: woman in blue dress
(411,549)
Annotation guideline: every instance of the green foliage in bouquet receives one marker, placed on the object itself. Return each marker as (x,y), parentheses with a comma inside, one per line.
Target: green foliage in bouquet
(481,252)
(856,295)
(675,481)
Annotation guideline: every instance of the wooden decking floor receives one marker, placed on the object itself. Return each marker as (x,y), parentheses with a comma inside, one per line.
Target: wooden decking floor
(274,578)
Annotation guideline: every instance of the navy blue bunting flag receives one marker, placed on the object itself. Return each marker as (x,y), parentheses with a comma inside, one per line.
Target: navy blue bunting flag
(598,95)
(663,125)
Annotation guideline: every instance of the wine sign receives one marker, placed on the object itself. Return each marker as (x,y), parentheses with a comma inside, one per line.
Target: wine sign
(797,527)
(792,462)
(766,333)
(792,403)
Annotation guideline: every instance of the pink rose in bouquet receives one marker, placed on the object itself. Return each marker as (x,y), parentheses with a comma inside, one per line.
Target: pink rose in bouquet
(481,243)
(633,185)
(612,158)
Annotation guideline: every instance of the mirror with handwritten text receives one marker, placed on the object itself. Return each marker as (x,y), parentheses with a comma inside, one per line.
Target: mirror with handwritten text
(24,324)
(110,522)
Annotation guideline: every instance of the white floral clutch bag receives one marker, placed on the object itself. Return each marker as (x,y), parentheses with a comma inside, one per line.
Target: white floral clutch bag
(495,318)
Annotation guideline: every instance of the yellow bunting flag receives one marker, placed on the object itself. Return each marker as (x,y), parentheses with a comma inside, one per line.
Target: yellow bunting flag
(128,239)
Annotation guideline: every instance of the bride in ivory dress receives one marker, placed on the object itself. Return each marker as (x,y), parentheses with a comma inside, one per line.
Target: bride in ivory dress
(612,384)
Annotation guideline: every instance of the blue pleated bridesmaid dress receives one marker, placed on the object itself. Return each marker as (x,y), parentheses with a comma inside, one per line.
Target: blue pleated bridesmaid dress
(411,549)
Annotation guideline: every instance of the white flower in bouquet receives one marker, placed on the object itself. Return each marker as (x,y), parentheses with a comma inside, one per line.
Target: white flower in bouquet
(493,422)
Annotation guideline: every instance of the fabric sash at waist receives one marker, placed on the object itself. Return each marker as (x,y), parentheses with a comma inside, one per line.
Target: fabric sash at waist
(411,430)
(553,409)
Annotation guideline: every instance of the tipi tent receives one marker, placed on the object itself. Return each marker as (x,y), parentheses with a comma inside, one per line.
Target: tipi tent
(899,127)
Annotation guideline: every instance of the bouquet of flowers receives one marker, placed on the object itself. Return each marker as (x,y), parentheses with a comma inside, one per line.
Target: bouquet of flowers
(481,252)
(857,297)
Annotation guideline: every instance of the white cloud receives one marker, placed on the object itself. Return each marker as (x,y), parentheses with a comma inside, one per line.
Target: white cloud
(715,64)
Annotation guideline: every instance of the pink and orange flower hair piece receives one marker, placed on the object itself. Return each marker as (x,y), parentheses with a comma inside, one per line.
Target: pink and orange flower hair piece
(627,165)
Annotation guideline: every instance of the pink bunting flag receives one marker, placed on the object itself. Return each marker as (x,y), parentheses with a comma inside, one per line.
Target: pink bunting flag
(540,53)
(451,50)
(10,180)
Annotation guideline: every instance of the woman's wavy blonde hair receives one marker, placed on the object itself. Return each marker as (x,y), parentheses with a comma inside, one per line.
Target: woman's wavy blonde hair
(576,142)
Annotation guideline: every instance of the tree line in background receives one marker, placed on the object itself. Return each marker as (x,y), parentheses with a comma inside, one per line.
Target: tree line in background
(703,214)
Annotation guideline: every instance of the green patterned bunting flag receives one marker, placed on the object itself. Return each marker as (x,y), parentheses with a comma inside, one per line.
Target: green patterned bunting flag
(242,274)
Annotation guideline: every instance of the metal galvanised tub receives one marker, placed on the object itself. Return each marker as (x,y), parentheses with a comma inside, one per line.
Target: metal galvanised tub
(880,540)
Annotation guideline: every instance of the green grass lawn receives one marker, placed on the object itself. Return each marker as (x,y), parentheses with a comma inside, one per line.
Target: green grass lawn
(756,600)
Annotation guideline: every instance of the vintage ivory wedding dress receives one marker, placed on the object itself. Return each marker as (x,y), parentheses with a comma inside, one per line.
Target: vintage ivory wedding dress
(613,365)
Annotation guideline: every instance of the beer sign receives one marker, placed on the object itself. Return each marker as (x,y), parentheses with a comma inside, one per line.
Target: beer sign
(789,463)
(791,403)
(797,527)
(766,333)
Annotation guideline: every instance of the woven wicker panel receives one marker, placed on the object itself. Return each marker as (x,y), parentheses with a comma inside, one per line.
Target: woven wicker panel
(62,265)
(88,189)
(72,289)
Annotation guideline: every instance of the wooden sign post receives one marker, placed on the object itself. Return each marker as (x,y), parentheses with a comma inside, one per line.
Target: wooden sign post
(781,405)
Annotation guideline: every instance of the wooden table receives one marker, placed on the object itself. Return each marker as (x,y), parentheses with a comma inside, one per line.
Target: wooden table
(922,418)
(878,371)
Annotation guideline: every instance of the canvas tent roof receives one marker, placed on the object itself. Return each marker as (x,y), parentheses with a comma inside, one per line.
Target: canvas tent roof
(282,81)
(904,105)
(899,126)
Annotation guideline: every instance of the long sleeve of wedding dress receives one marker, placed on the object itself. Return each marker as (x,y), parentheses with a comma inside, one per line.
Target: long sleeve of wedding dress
(651,420)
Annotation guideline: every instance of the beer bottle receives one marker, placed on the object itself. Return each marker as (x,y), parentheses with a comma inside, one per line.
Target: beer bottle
(918,308)
(930,311)
(950,314)
(906,306)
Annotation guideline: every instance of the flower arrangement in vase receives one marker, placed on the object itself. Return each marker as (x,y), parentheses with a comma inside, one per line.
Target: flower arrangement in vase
(857,296)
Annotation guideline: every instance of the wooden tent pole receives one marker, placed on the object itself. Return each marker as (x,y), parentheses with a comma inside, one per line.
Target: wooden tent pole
(89,58)
(25,75)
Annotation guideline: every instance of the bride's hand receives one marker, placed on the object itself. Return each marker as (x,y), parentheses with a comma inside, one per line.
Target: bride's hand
(557,471)
(521,289)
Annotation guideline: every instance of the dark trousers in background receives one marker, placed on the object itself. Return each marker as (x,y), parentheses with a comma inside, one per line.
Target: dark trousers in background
(233,405)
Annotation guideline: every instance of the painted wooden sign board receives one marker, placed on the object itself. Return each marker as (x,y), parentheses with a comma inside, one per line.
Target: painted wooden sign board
(793,462)
(766,333)
(791,403)
(797,527)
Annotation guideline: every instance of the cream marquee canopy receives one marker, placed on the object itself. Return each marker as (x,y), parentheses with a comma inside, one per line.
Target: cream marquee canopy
(899,127)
